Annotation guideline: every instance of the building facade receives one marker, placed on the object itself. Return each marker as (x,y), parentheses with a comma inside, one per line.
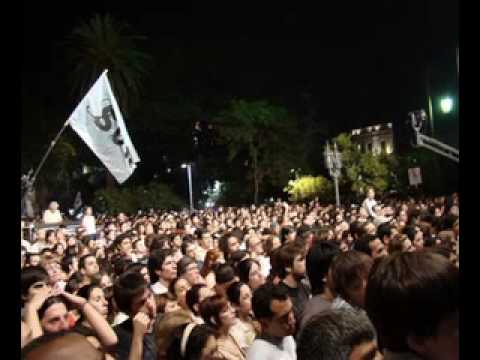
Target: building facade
(377,139)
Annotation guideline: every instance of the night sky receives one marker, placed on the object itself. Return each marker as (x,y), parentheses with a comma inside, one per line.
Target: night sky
(354,63)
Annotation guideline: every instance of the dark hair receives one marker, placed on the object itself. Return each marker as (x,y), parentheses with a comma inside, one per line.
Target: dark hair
(243,269)
(410,231)
(86,290)
(128,286)
(409,293)
(193,295)
(349,270)
(49,302)
(396,244)
(71,250)
(284,232)
(74,282)
(262,299)
(224,273)
(156,260)
(318,262)
(363,244)
(286,257)
(383,230)
(48,338)
(334,334)
(197,340)
(210,309)
(236,257)
(186,242)
(67,261)
(135,267)
(30,275)
(81,262)
(233,292)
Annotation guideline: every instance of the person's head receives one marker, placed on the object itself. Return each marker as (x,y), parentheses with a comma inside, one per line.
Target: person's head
(412,299)
(369,228)
(273,308)
(50,237)
(206,240)
(318,262)
(370,193)
(224,276)
(53,206)
(192,342)
(400,243)
(96,297)
(291,261)
(53,315)
(88,266)
(188,247)
(349,274)
(338,335)
(240,296)
(195,295)
(271,244)
(212,258)
(255,245)
(179,288)
(140,268)
(33,279)
(132,295)
(249,272)
(370,245)
(61,345)
(188,269)
(384,233)
(123,244)
(32,259)
(287,234)
(217,312)
(162,265)
(415,235)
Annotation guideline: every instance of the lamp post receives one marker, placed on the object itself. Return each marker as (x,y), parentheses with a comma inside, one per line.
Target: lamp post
(188,166)
(333,161)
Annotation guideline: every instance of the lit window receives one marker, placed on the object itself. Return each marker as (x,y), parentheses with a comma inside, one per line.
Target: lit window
(377,127)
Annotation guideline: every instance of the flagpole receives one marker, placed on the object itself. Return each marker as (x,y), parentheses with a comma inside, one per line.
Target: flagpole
(50,148)
(53,143)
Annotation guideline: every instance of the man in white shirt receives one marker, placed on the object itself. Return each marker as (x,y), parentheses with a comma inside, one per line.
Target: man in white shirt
(162,269)
(369,202)
(274,309)
(52,215)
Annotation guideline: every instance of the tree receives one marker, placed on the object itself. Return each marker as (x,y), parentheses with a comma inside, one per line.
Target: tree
(264,138)
(308,187)
(106,43)
(363,169)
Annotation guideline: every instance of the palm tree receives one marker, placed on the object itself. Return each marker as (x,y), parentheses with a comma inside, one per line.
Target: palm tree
(105,43)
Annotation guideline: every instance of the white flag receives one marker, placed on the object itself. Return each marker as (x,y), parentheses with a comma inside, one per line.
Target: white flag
(99,122)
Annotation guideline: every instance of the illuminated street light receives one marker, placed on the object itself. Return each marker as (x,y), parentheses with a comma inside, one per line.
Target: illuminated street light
(446,104)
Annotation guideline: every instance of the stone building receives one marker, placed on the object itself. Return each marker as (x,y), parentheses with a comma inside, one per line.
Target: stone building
(377,139)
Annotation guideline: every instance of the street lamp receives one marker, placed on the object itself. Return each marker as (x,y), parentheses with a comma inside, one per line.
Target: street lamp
(446,104)
(333,161)
(188,166)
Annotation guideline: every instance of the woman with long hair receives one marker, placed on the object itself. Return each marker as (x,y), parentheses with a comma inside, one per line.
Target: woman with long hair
(217,312)
(211,260)
(246,329)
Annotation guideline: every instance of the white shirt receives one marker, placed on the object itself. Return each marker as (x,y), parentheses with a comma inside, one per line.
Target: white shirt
(88,222)
(158,288)
(52,217)
(264,350)
(368,204)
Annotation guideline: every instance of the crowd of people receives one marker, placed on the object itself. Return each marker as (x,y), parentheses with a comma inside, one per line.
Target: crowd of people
(278,281)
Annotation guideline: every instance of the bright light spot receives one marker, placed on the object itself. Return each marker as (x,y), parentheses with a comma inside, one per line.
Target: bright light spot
(377,127)
(169,170)
(446,104)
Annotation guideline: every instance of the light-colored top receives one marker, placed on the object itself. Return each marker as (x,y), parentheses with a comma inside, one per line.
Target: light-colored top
(265,265)
(88,222)
(368,204)
(265,350)
(158,288)
(243,333)
(229,348)
(52,217)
